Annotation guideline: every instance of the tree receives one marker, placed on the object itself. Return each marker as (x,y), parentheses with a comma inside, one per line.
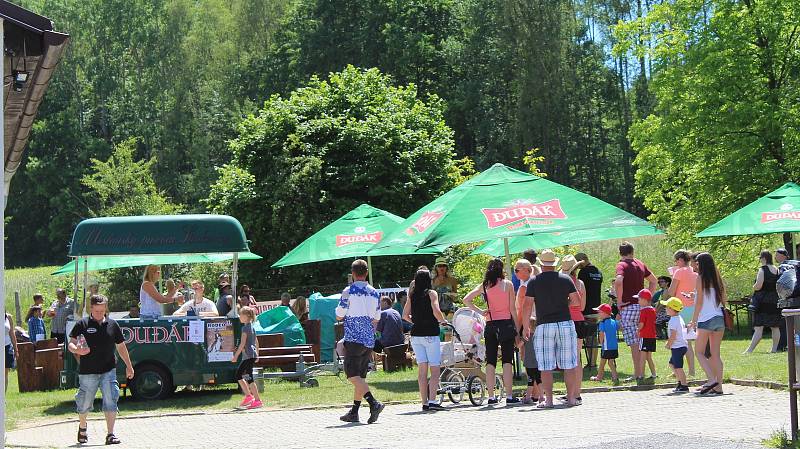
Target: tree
(305,160)
(122,186)
(724,129)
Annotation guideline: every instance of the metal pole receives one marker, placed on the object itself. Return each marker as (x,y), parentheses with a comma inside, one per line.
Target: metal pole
(85,285)
(2,247)
(75,284)
(792,374)
(369,269)
(508,258)
(234,278)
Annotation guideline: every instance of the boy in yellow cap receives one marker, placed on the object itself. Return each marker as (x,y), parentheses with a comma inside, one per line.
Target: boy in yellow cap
(676,329)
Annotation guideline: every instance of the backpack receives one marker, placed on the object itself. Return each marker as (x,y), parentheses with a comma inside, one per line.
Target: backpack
(787,286)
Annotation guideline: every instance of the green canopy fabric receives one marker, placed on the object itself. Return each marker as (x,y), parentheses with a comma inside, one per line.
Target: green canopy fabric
(158,234)
(350,236)
(106,262)
(502,202)
(775,212)
(555,239)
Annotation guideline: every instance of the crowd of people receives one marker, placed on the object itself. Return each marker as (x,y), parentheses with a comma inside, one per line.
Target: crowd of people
(549,308)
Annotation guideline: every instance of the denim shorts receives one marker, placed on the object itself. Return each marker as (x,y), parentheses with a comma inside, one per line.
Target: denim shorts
(88,385)
(427,350)
(10,362)
(715,324)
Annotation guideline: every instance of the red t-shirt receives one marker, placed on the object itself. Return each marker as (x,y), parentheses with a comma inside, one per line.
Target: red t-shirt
(633,272)
(647,316)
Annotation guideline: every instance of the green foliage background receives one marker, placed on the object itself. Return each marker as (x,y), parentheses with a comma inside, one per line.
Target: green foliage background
(681,111)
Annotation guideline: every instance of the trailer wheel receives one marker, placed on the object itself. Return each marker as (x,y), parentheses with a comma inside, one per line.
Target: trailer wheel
(151,382)
(312,383)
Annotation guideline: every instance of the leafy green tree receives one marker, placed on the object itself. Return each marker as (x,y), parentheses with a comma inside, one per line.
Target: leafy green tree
(724,129)
(123,186)
(305,160)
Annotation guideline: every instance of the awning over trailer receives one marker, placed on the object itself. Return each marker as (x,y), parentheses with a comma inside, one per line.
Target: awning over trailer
(158,235)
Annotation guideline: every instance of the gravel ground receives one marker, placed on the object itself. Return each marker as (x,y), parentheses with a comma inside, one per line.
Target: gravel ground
(666,440)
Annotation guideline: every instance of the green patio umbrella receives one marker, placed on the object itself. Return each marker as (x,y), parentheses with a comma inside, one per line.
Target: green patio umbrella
(97,263)
(554,239)
(775,212)
(350,236)
(501,203)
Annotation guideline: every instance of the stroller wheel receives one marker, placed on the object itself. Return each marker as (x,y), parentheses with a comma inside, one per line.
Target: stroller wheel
(476,390)
(456,393)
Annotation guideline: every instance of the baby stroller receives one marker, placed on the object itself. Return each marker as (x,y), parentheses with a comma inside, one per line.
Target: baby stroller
(462,357)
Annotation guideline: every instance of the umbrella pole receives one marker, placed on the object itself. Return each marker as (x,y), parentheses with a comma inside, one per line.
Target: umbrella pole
(508,258)
(75,288)
(234,279)
(369,268)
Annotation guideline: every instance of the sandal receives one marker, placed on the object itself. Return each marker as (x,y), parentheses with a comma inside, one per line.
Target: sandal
(544,405)
(708,388)
(112,439)
(83,437)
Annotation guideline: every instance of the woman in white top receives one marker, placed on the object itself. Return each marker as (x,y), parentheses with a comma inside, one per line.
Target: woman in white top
(11,345)
(150,299)
(709,321)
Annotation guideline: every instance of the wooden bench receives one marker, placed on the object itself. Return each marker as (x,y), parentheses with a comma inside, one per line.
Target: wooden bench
(273,354)
(39,365)
(395,358)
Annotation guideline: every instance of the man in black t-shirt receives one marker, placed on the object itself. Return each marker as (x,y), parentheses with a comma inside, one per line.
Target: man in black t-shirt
(94,339)
(554,341)
(593,280)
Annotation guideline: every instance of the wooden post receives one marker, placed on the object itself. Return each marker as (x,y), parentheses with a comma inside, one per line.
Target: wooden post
(18,308)
(789,317)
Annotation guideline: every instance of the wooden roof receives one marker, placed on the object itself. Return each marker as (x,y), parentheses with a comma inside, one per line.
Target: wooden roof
(32,47)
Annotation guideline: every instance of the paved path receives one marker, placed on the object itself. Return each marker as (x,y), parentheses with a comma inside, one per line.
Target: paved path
(739,419)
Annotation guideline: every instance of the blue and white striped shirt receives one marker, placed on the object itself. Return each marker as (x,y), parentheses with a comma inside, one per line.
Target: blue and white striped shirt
(359,306)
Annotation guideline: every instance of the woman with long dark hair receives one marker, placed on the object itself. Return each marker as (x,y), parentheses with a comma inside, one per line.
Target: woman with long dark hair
(765,303)
(501,325)
(708,319)
(422,309)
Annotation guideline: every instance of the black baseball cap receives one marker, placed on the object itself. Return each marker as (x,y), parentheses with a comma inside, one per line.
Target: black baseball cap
(782,251)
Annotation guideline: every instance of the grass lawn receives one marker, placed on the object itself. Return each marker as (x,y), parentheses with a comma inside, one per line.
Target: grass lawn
(28,408)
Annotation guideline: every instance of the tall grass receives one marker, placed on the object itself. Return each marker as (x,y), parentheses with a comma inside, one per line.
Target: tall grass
(28,281)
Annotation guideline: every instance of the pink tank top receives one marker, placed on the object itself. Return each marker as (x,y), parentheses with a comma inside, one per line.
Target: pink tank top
(576,312)
(498,301)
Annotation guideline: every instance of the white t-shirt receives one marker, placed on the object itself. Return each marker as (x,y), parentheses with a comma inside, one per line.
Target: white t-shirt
(206,305)
(676,324)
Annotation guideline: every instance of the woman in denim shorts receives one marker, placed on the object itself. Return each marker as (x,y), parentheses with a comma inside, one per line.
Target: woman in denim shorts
(422,309)
(709,321)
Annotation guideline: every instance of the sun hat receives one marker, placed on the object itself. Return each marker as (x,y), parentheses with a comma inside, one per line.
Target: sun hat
(547,258)
(605,308)
(569,264)
(644,294)
(440,261)
(672,303)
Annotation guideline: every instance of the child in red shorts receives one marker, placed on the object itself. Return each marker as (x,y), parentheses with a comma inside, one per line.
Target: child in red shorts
(647,329)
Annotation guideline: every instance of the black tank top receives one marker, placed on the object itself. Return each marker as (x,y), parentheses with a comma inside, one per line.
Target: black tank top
(425,324)
(770,279)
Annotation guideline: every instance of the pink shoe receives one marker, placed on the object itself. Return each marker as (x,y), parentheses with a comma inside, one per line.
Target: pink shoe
(247,401)
(255,404)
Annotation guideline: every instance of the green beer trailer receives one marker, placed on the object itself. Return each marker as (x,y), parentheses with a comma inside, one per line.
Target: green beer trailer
(169,351)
